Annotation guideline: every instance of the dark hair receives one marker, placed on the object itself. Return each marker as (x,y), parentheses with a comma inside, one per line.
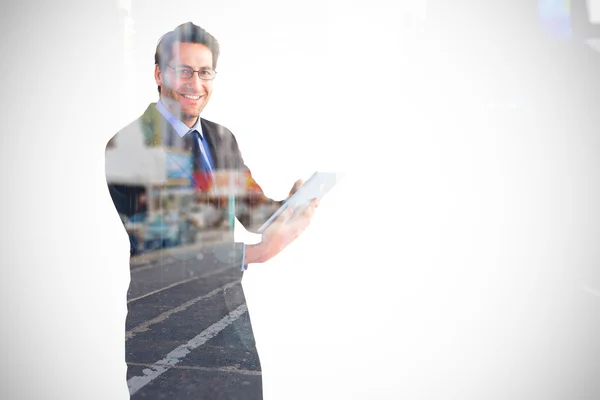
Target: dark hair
(184,33)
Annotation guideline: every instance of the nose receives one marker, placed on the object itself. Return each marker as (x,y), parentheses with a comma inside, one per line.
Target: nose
(195,82)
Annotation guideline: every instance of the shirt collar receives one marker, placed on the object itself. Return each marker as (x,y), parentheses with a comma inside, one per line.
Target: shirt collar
(179,126)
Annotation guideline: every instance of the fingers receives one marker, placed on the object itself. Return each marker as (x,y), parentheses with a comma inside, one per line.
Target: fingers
(301,221)
(296,186)
(287,214)
(308,212)
(310,209)
(281,219)
(293,223)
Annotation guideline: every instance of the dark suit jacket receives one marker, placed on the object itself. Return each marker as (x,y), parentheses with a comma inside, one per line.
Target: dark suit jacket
(163,283)
(152,127)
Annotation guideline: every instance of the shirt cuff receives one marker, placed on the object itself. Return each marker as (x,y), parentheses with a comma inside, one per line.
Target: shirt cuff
(244,266)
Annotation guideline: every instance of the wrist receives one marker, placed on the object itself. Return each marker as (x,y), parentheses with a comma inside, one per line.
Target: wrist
(256,253)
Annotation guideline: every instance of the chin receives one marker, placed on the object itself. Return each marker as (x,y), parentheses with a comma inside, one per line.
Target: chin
(188,116)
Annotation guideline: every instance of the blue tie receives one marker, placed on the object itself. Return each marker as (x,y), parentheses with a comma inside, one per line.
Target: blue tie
(200,156)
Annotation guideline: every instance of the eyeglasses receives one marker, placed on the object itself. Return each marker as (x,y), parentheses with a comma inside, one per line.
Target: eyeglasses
(187,73)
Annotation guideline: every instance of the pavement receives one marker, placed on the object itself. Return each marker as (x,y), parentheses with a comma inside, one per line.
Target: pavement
(188,331)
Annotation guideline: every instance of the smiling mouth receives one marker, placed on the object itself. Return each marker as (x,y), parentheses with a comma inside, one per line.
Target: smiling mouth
(191,97)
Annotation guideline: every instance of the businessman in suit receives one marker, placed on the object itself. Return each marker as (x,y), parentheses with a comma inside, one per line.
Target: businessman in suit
(185,64)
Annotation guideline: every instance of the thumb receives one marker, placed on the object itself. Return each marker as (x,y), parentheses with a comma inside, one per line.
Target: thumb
(287,214)
(296,186)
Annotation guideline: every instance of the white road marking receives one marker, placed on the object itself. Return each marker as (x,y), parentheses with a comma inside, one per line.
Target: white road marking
(207,369)
(164,288)
(216,271)
(162,317)
(162,366)
(144,267)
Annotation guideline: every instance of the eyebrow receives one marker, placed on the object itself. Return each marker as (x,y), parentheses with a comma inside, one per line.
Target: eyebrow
(190,67)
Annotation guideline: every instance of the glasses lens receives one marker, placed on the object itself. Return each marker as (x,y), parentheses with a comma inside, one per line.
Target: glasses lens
(185,73)
(206,74)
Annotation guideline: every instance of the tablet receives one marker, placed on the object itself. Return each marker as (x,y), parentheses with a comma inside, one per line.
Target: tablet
(315,187)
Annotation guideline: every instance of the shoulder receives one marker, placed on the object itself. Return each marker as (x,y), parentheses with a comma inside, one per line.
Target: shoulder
(220,135)
(215,128)
(140,126)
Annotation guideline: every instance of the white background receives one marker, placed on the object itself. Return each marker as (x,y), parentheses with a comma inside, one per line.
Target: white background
(457,259)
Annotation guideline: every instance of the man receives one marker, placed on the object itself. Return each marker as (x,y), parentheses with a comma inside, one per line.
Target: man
(188,331)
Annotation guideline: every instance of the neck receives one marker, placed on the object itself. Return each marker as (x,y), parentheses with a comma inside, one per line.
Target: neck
(190,121)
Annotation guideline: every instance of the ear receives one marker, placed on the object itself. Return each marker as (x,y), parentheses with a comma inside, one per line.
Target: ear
(158,75)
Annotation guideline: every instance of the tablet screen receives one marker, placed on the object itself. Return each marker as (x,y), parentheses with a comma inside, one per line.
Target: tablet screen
(315,187)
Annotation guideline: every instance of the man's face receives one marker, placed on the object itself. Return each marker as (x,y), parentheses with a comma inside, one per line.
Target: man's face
(186,97)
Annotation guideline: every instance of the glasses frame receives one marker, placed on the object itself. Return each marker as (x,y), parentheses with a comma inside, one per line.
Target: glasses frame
(197,72)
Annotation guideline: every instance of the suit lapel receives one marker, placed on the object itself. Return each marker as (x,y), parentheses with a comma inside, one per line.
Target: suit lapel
(158,130)
(156,127)
(213,139)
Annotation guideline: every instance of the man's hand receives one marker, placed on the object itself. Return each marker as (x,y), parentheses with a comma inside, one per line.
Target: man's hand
(283,231)
(296,186)
(286,228)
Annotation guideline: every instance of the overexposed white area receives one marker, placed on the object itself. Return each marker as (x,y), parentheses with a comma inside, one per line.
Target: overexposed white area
(443,267)
(593,7)
(135,162)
